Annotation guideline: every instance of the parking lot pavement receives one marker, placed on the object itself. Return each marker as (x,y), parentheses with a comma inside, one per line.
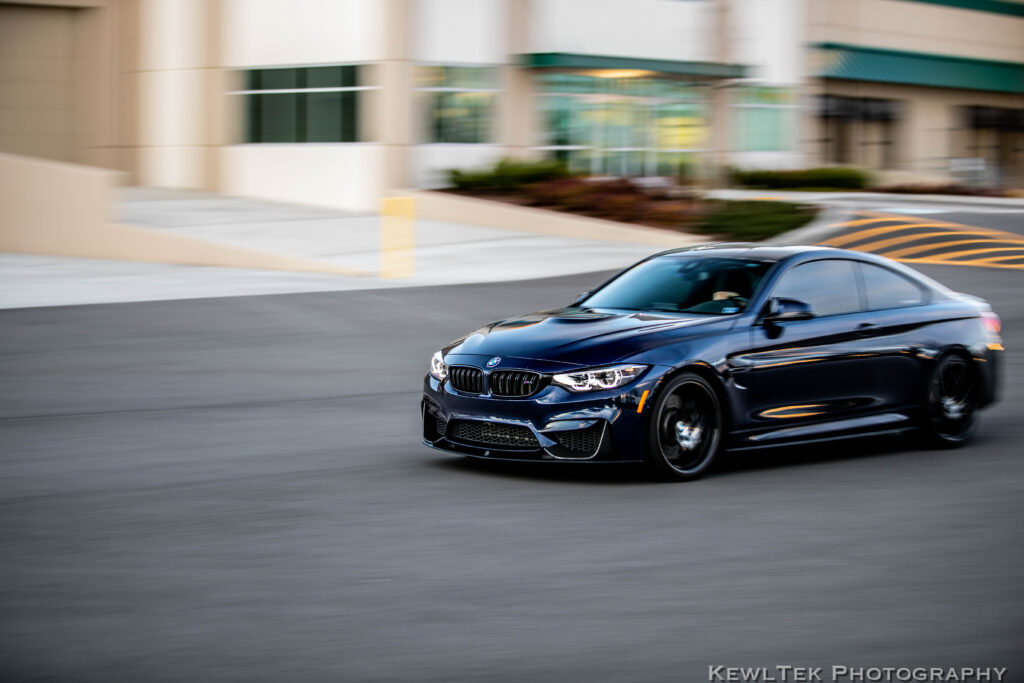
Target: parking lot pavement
(234,489)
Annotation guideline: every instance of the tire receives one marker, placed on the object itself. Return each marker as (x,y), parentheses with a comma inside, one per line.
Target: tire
(951,402)
(684,430)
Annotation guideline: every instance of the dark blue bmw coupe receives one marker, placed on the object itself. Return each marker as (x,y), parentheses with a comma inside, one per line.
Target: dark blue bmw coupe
(722,347)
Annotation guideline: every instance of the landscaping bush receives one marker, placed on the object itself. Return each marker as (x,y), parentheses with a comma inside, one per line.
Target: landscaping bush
(507,175)
(548,185)
(750,221)
(832,178)
(670,214)
(619,206)
(566,194)
(617,200)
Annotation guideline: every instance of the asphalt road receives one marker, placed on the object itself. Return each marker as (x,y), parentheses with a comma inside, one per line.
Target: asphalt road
(235,490)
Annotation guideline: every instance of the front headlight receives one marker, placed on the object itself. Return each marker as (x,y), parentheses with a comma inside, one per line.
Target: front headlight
(611,377)
(438,368)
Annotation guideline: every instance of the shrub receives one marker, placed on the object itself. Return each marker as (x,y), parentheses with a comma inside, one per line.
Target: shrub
(669,214)
(566,193)
(752,220)
(831,178)
(469,180)
(507,175)
(619,206)
(613,199)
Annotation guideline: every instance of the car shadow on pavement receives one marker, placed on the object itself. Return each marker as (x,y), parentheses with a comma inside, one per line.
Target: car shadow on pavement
(814,454)
(727,463)
(562,472)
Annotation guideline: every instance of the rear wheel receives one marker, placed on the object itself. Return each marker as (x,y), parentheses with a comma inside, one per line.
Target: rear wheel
(952,402)
(685,428)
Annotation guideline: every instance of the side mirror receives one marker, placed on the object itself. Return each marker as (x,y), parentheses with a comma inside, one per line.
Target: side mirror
(783,310)
(581,296)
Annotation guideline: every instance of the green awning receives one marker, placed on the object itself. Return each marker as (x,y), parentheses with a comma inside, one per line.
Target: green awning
(1013,9)
(568,60)
(855,63)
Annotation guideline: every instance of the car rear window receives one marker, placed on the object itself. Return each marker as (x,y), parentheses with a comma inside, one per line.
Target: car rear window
(887,289)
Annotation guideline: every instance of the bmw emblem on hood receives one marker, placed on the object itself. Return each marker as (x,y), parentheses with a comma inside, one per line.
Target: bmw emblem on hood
(492,363)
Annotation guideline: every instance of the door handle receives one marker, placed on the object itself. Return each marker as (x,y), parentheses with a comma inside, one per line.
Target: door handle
(865,329)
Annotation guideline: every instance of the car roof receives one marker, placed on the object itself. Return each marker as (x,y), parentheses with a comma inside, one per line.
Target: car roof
(765,252)
(796,254)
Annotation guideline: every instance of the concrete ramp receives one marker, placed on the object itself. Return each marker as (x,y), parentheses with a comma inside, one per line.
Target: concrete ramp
(49,207)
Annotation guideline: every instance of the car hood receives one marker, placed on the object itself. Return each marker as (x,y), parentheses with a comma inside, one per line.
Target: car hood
(581,336)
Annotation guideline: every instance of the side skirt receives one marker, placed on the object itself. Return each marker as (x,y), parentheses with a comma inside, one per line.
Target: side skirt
(838,437)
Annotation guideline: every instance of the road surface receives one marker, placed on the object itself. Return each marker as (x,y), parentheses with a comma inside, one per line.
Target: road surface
(234,489)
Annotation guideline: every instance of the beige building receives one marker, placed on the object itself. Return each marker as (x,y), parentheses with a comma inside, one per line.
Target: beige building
(338,102)
(918,87)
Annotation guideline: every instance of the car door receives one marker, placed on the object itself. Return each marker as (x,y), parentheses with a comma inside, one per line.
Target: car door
(896,307)
(812,370)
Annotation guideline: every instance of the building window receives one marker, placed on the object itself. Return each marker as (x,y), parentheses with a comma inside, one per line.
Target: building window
(303,104)
(633,126)
(460,103)
(765,119)
(859,130)
(992,137)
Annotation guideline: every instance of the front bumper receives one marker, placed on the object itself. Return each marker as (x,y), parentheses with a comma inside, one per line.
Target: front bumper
(552,425)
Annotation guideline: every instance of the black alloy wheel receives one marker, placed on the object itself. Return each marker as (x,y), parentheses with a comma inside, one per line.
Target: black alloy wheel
(684,428)
(952,402)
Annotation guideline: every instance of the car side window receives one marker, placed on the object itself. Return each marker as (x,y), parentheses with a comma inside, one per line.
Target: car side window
(829,286)
(887,289)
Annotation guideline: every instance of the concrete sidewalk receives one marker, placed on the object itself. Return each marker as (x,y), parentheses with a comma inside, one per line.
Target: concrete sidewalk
(444,253)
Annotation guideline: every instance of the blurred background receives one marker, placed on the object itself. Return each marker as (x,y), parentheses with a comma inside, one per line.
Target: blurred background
(336,103)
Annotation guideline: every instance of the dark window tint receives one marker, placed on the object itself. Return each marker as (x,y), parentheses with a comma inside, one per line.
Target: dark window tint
(309,114)
(274,117)
(332,77)
(830,287)
(331,116)
(886,289)
(274,79)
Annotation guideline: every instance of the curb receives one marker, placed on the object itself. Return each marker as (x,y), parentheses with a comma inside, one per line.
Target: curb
(828,197)
(813,231)
(1009,202)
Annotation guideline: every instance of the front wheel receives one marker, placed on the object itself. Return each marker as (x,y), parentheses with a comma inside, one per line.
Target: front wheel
(952,402)
(685,428)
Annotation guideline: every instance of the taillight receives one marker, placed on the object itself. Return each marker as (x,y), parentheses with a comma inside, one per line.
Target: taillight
(993,325)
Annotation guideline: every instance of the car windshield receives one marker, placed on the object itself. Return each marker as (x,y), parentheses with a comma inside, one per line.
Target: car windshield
(683,284)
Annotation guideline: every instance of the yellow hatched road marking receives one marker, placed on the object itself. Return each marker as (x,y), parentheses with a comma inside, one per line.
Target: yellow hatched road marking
(987,250)
(871,232)
(892,241)
(942,245)
(996,259)
(981,235)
